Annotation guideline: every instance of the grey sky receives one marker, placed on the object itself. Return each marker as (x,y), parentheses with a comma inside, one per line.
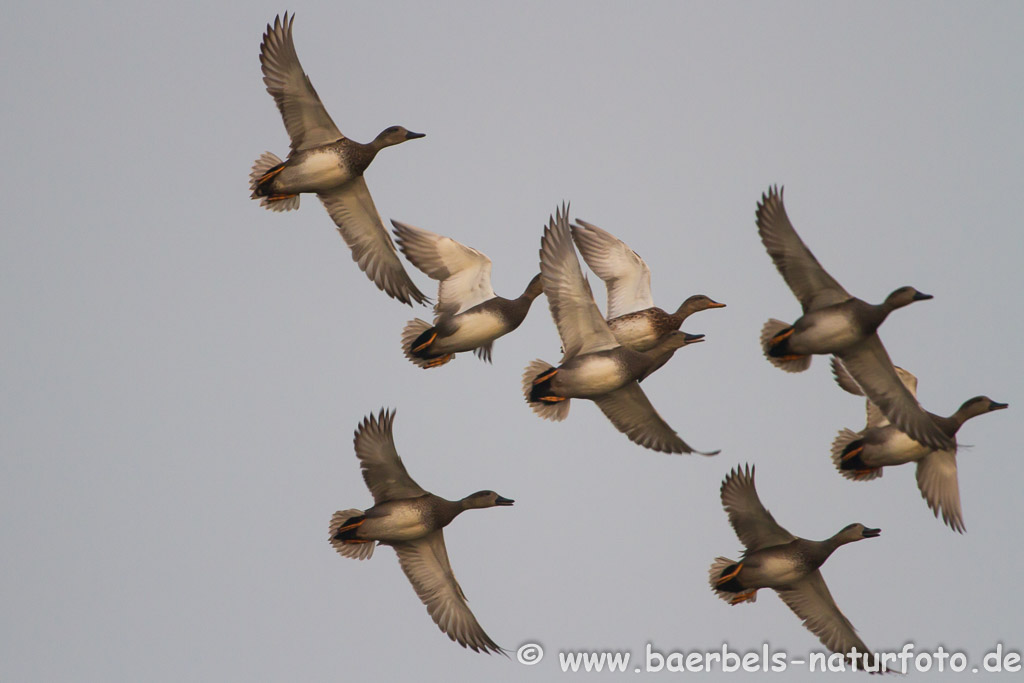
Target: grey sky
(184,370)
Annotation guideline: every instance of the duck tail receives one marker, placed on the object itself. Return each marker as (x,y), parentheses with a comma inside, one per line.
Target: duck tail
(417,337)
(730,590)
(536,387)
(344,525)
(264,170)
(775,343)
(847,449)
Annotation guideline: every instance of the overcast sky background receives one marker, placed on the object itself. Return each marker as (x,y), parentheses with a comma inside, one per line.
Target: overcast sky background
(183,370)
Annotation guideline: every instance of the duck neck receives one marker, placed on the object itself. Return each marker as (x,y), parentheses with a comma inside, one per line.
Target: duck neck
(361,155)
(951,425)
(682,313)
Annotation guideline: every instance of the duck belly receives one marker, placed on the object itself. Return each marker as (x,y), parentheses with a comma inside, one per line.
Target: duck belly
(825,331)
(636,332)
(892,447)
(312,171)
(588,377)
(471,330)
(771,571)
(400,523)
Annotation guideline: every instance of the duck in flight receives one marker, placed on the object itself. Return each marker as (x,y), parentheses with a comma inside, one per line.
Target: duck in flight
(774,558)
(325,162)
(469,316)
(835,322)
(861,456)
(410,520)
(595,365)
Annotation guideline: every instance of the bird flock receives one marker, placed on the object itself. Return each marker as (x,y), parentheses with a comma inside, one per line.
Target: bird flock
(605,358)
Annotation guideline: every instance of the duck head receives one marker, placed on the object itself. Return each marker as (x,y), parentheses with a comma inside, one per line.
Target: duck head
(696,303)
(484,499)
(394,135)
(979,405)
(904,296)
(855,532)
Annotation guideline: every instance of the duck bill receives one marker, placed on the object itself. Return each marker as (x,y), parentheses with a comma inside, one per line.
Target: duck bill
(871,533)
(692,338)
(503,501)
(921,296)
(716,304)
(994,405)
(412,136)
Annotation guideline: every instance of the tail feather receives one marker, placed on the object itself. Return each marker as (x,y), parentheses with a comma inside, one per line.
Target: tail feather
(851,468)
(414,334)
(342,541)
(776,353)
(557,411)
(259,178)
(720,567)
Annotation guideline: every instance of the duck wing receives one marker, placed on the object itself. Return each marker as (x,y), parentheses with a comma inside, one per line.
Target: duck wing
(810,600)
(937,480)
(307,122)
(352,209)
(811,284)
(625,274)
(875,417)
(753,524)
(464,272)
(870,366)
(580,324)
(425,562)
(631,412)
(383,471)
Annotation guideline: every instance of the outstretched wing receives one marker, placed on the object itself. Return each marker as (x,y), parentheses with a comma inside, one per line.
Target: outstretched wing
(625,274)
(811,601)
(464,272)
(753,524)
(307,122)
(875,417)
(352,209)
(811,284)
(870,366)
(580,324)
(631,412)
(425,562)
(383,471)
(937,480)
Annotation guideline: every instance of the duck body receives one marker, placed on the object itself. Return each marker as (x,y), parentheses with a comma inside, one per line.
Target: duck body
(474,329)
(316,170)
(775,567)
(590,375)
(880,447)
(397,521)
(641,330)
(832,329)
